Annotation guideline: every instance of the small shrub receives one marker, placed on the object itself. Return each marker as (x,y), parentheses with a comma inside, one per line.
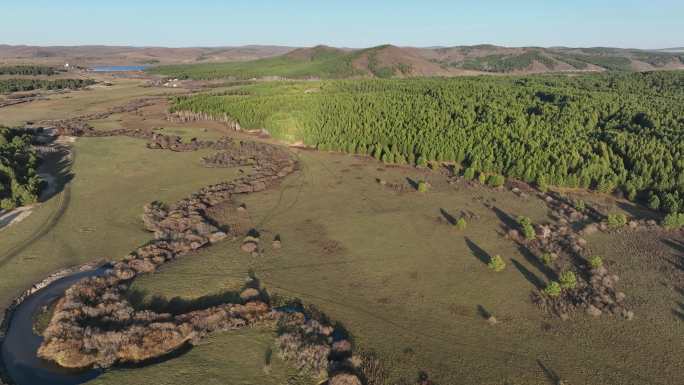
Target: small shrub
(461,224)
(482,178)
(553,289)
(616,221)
(548,258)
(595,262)
(524,221)
(606,186)
(568,280)
(670,203)
(542,184)
(423,186)
(469,173)
(674,221)
(580,205)
(8,204)
(528,232)
(496,180)
(654,202)
(527,228)
(497,263)
(422,161)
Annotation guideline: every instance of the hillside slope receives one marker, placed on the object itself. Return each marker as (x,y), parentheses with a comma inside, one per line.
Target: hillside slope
(328,62)
(391,61)
(321,62)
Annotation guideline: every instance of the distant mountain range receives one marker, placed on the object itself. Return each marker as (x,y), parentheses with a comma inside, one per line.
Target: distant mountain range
(381,61)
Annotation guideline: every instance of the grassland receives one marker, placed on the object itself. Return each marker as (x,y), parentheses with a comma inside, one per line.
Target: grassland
(236,358)
(412,288)
(380,258)
(61,106)
(112,179)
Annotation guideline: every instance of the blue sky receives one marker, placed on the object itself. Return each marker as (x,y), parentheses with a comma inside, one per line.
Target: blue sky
(351,23)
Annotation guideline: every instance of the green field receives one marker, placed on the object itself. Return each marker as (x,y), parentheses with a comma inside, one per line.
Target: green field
(112,179)
(409,286)
(236,358)
(61,106)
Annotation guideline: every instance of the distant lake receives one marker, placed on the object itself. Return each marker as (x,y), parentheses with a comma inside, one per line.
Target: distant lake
(117,68)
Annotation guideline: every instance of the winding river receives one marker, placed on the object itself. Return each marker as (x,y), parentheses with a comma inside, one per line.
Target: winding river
(21,344)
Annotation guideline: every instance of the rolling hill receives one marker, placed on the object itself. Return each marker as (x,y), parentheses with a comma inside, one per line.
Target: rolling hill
(327,62)
(392,61)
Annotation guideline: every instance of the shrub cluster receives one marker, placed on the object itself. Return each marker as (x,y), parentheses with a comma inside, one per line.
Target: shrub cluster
(527,228)
(548,258)
(28,70)
(496,180)
(15,85)
(553,289)
(567,280)
(674,221)
(616,221)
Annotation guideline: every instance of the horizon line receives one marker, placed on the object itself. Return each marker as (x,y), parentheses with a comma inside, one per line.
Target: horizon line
(323,44)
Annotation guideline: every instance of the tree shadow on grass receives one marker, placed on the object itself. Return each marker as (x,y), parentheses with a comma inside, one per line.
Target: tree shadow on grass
(478,252)
(676,244)
(483,312)
(58,166)
(508,222)
(533,260)
(637,211)
(678,311)
(529,275)
(181,351)
(551,374)
(178,305)
(449,218)
(412,183)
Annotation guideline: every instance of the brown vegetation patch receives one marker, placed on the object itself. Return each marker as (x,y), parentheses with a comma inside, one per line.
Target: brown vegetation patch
(94,324)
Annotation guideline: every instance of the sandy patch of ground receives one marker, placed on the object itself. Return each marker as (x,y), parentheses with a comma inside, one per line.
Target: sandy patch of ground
(12,217)
(63,139)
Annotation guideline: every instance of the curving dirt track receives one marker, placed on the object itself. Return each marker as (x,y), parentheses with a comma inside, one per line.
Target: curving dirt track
(63,200)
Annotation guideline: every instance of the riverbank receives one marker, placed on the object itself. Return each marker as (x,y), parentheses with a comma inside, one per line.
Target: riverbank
(7,315)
